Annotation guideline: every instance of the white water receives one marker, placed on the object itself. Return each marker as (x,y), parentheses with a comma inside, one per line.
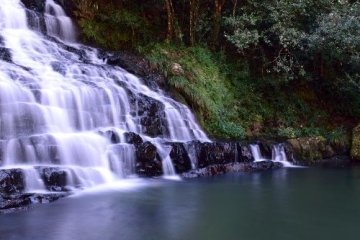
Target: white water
(54,105)
(256,153)
(279,155)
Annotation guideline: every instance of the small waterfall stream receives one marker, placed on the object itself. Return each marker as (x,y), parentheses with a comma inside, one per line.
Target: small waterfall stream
(57,99)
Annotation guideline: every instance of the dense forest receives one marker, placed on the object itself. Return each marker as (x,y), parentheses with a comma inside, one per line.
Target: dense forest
(248,68)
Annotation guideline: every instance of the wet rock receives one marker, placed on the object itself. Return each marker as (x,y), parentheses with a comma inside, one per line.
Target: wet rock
(136,65)
(219,169)
(111,135)
(35,5)
(180,157)
(55,179)
(68,6)
(265,165)
(216,153)
(36,21)
(59,67)
(5,54)
(148,163)
(151,115)
(266,148)
(244,153)
(11,181)
(133,138)
(16,202)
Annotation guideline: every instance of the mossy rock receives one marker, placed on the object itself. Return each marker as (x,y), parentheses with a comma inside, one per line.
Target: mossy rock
(309,150)
(355,148)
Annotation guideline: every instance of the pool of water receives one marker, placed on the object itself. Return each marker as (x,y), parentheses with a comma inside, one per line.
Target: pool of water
(284,204)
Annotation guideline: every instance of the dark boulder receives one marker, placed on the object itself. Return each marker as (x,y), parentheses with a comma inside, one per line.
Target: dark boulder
(11,181)
(111,135)
(136,65)
(216,153)
(151,115)
(16,202)
(244,153)
(148,163)
(180,158)
(133,138)
(266,148)
(5,54)
(55,179)
(35,5)
(219,169)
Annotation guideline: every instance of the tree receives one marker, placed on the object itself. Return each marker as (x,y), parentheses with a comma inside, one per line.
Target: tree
(170,20)
(218,8)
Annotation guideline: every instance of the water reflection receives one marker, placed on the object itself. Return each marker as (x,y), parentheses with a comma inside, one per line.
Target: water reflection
(285,204)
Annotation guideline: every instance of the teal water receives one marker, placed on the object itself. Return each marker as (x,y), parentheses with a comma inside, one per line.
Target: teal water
(284,204)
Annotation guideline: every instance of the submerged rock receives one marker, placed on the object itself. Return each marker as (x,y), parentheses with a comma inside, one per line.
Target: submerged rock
(219,169)
(16,202)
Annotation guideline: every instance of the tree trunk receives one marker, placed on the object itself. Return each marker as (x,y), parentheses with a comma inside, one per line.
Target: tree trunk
(217,22)
(194,11)
(235,2)
(170,20)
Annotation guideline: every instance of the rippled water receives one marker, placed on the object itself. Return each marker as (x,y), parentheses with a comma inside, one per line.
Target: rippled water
(284,204)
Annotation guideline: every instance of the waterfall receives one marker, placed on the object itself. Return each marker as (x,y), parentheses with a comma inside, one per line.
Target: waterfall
(57,23)
(256,153)
(57,99)
(279,155)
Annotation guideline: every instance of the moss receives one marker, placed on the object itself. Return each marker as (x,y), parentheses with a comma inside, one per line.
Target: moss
(355,148)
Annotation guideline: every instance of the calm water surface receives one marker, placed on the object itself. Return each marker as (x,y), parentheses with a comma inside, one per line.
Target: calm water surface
(285,204)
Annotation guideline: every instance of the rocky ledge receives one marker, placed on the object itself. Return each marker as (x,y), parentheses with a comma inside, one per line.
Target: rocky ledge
(13,194)
(219,169)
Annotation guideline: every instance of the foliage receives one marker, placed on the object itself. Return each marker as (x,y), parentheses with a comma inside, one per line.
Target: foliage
(274,67)
(203,86)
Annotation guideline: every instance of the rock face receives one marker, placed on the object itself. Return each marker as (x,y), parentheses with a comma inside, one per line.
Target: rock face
(355,146)
(309,151)
(133,138)
(137,65)
(180,158)
(151,115)
(15,202)
(218,169)
(148,163)
(11,181)
(35,5)
(216,153)
(54,178)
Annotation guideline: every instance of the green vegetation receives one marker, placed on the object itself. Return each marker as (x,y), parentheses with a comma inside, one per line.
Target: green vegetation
(249,68)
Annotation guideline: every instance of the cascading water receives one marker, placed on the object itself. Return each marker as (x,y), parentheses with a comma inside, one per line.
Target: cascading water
(56,104)
(256,153)
(279,155)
